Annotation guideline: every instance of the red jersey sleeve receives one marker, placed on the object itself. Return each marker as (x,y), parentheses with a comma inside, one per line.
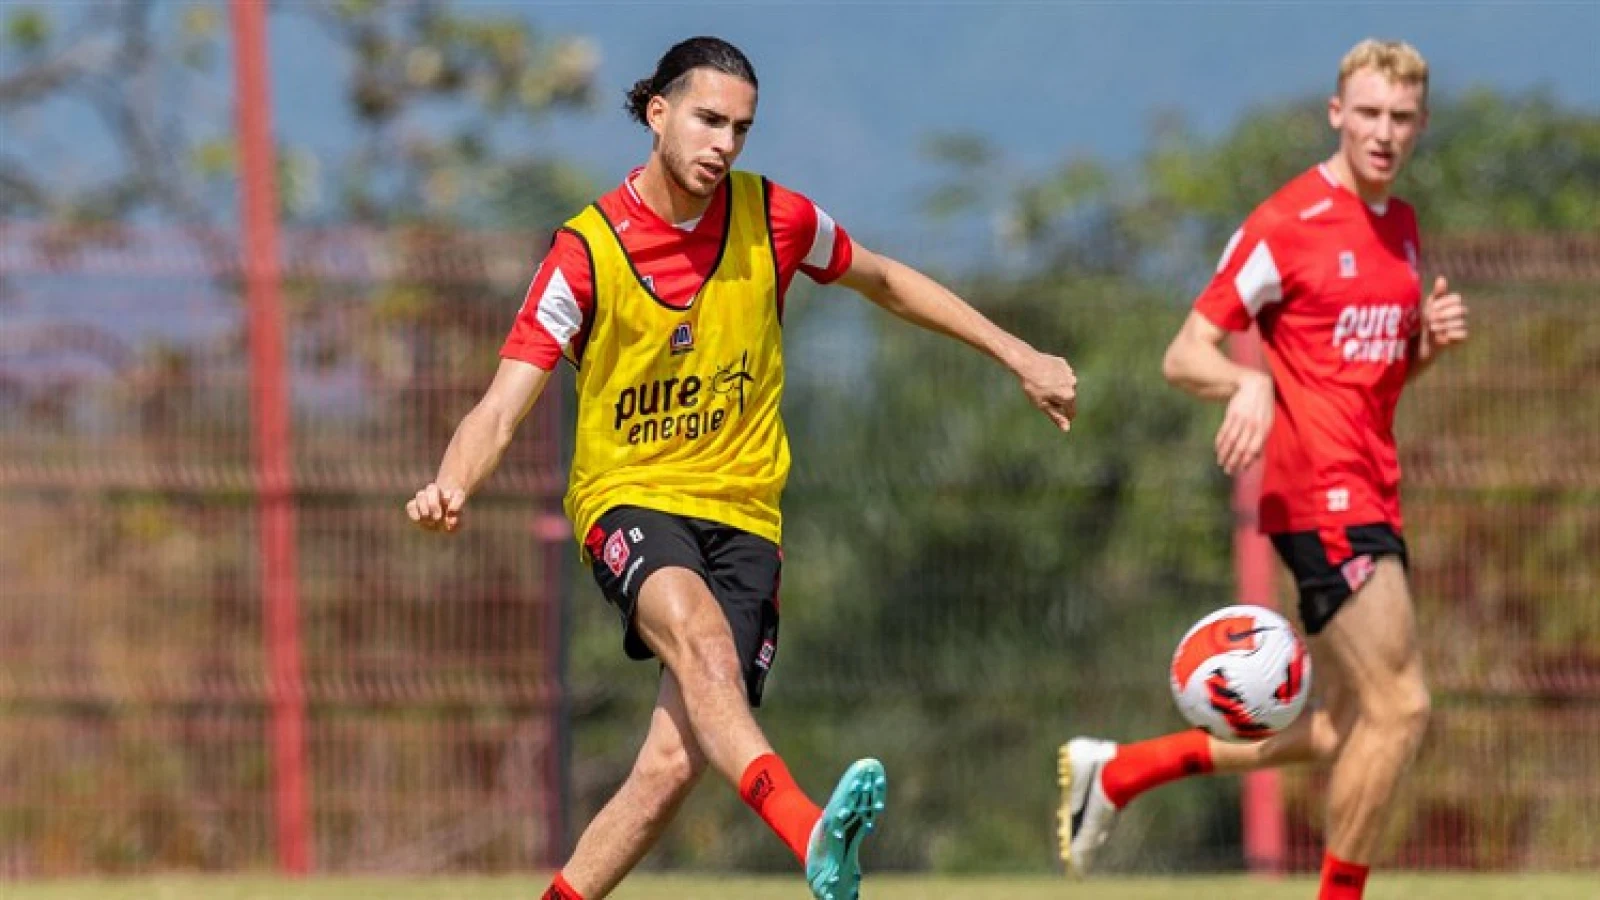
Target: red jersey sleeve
(805,238)
(558,309)
(1248,278)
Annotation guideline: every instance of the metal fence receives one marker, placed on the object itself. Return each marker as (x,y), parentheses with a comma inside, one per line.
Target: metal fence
(138,700)
(138,696)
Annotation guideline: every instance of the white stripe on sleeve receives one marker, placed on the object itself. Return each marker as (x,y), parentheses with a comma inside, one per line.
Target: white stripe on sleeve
(821,255)
(558,310)
(1258,282)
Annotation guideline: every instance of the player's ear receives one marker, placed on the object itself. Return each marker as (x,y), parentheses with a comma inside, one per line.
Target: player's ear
(655,113)
(1336,112)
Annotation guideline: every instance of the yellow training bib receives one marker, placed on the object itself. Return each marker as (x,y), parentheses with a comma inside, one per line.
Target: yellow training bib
(678,408)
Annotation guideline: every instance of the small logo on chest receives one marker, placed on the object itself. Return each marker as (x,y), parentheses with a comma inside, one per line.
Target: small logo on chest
(682,339)
(1347,264)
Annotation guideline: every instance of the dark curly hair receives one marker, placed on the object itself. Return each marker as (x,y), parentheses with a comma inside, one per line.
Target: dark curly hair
(672,71)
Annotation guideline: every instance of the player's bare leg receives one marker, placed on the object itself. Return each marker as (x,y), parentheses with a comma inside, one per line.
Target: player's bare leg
(1371,644)
(679,619)
(668,767)
(703,717)
(681,622)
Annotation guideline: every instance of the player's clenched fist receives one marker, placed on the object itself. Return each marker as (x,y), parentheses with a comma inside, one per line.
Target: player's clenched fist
(1444,318)
(1052,386)
(1246,424)
(437,509)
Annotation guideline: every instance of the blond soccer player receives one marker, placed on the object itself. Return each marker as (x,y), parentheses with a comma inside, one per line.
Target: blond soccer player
(1328,270)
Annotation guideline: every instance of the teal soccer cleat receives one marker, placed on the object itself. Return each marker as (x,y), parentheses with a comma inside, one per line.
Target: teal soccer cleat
(833,863)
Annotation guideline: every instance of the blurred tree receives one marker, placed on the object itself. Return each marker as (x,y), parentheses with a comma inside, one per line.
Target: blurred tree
(440,101)
(1489,163)
(123,112)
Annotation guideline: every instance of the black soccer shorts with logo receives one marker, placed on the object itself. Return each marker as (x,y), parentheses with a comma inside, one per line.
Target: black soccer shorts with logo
(629,543)
(1329,565)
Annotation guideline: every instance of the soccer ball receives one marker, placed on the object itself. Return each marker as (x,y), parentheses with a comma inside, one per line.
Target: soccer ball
(1241,673)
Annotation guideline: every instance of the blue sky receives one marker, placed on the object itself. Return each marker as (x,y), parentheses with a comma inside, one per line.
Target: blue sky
(850,89)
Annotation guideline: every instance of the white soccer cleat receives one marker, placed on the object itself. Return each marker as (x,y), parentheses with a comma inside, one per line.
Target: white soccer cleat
(1086,815)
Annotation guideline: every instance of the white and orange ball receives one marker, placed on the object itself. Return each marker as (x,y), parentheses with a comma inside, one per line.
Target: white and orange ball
(1241,673)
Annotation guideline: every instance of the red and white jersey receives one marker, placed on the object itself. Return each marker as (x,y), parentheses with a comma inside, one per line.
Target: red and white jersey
(673,262)
(1333,285)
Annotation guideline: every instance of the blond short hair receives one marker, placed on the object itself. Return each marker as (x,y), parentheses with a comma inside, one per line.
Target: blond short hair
(1396,60)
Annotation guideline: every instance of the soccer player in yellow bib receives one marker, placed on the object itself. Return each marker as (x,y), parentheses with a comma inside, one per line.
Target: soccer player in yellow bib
(667,295)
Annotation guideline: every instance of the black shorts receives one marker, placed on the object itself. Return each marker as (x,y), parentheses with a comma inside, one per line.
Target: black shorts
(1331,564)
(628,543)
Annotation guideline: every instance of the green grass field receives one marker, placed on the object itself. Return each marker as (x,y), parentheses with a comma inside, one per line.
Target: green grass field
(1384,887)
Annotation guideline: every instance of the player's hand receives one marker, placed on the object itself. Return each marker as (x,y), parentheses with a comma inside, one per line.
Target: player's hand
(1246,423)
(1444,319)
(1051,385)
(437,509)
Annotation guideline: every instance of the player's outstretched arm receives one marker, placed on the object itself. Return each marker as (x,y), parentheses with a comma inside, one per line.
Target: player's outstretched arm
(1047,380)
(1195,363)
(479,441)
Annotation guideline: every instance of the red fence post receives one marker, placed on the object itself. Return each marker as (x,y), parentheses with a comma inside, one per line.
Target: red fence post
(269,416)
(554,534)
(1261,795)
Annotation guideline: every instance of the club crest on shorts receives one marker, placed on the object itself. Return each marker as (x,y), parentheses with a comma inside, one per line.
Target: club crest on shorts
(1358,570)
(616,552)
(768,651)
(682,340)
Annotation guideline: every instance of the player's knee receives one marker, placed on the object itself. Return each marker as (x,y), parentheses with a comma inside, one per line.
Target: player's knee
(1416,710)
(1404,713)
(667,776)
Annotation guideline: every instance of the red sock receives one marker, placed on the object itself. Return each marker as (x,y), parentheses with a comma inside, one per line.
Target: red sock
(1139,767)
(769,789)
(1341,880)
(560,890)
